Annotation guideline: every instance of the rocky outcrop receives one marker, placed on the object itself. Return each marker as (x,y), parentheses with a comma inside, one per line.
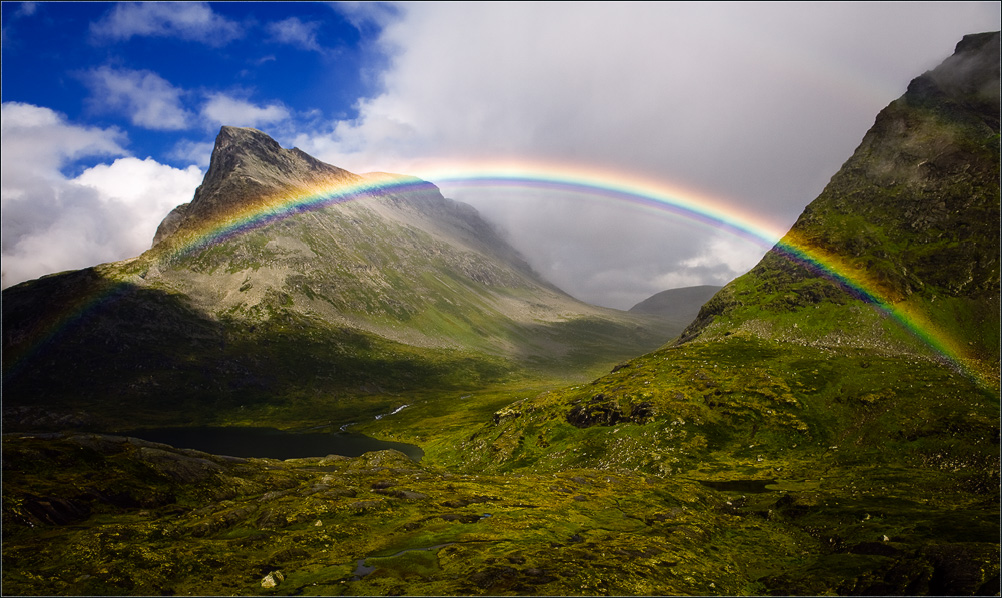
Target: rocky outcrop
(170,223)
(602,410)
(272,579)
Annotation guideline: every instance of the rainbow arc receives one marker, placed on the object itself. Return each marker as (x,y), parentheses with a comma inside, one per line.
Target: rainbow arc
(612,187)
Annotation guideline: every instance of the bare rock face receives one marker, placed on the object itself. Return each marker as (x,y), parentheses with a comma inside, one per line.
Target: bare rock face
(170,223)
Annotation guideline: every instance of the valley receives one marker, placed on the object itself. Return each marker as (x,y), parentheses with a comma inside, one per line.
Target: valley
(826,424)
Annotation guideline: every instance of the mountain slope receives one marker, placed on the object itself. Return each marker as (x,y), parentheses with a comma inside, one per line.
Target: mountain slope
(249,296)
(678,305)
(775,328)
(402,262)
(913,215)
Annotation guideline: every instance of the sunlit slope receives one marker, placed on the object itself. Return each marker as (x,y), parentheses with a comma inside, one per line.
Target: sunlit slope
(253,296)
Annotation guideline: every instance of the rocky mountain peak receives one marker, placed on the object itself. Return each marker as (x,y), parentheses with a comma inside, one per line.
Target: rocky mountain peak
(246,166)
(252,153)
(969,77)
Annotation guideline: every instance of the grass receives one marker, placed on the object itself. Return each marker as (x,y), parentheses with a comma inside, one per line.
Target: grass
(313,519)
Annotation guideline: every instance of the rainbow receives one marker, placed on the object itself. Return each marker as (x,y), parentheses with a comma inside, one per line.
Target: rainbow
(683,203)
(706,210)
(680,202)
(103,294)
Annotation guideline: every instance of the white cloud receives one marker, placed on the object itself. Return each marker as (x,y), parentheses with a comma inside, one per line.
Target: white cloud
(295,32)
(38,141)
(757,105)
(222,109)
(192,21)
(52,223)
(367,16)
(722,258)
(26,9)
(139,193)
(152,102)
(149,100)
(194,152)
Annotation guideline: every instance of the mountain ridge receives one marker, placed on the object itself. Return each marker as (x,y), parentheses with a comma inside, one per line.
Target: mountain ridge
(374,277)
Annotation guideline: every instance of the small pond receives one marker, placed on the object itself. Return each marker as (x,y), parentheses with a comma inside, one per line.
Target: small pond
(270,442)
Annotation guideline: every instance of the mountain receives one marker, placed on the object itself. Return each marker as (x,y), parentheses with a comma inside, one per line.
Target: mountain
(914,214)
(916,210)
(287,281)
(678,305)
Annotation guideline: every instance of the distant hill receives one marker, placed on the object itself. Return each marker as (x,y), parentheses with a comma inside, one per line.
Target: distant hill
(678,305)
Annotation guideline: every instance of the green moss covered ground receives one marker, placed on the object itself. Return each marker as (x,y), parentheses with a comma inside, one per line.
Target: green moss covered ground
(86,515)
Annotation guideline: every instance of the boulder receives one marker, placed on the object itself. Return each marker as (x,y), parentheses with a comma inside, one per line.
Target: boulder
(272,579)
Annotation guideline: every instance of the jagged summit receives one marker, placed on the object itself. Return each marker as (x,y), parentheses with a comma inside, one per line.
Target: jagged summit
(970,75)
(248,165)
(252,153)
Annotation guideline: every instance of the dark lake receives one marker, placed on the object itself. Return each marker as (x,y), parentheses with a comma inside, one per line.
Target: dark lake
(270,442)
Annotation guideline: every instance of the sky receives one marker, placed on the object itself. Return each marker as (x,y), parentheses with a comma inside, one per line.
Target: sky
(109,112)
